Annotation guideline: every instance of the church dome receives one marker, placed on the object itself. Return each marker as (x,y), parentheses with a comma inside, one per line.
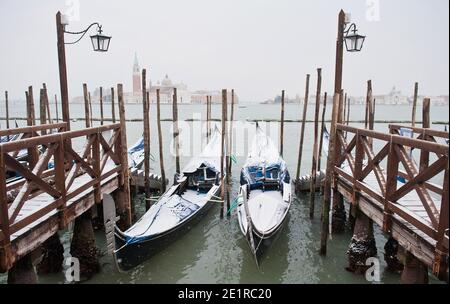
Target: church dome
(166,81)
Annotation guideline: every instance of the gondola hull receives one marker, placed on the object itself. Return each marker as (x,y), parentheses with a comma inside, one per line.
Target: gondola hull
(264,242)
(131,255)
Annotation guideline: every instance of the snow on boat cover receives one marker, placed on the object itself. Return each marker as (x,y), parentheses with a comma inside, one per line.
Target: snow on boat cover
(173,208)
(267,188)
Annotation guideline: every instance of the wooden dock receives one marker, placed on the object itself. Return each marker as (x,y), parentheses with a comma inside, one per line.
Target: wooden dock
(57,185)
(377,173)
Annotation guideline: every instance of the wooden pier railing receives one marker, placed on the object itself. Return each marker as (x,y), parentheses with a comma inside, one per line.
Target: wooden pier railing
(415,195)
(59,175)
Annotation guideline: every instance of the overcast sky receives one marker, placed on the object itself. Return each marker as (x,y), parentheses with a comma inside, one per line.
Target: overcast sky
(257,47)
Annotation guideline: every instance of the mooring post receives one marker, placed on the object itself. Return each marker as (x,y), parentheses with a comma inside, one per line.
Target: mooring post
(101,106)
(86,107)
(425,155)
(416,92)
(113,107)
(282,123)
(52,256)
(7,110)
(227,156)
(176,132)
(322,130)
(161,154)
(371,119)
(348,115)
(42,110)
(33,154)
(345,107)
(123,193)
(83,245)
(230,133)
(391,249)
(91,115)
(47,105)
(414,271)
(368,101)
(222,152)
(362,245)
(207,119)
(23,272)
(302,131)
(338,212)
(56,108)
(146,122)
(326,202)
(312,188)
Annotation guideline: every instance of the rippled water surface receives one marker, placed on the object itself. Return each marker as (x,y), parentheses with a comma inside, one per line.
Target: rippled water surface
(214,251)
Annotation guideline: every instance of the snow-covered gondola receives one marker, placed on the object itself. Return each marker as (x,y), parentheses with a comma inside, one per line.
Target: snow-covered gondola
(176,211)
(265,195)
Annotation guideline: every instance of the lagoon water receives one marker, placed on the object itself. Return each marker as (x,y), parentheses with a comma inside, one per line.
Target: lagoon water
(214,251)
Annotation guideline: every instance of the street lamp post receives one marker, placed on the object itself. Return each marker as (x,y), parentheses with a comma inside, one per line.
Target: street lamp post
(353,43)
(100,43)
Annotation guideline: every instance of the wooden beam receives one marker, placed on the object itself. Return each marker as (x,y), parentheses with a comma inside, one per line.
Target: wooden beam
(160,140)
(176,132)
(146,122)
(121,148)
(425,155)
(282,123)
(222,153)
(47,105)
(87,111)
(315,155)
(302,131)
(113,107)
(101,106)
(326,202)
(416,90)
(322,130)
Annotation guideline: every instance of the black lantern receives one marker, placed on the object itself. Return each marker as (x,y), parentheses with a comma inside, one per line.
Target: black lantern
(100,42)
(353,41)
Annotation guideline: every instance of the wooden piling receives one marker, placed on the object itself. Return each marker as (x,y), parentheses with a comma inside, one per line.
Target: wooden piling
(176,131)
(322,130)
(227,156)
(302,132)
(56,108)
(368,100)
(124,199)
(33,154)
(113,107)
(282,123)
(87,111)
(47,105)
(328,179)
(101,106)
(222,152)
(90,109)
(425,155)
(348,112)
(345,108)
(146,122)
(416,91)
(7,110)
(161,154)
(230,133)
(315,147)
(42,110)
(207,119)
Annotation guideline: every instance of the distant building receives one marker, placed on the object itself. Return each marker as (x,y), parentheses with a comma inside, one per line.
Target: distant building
(137,89)
(216,96)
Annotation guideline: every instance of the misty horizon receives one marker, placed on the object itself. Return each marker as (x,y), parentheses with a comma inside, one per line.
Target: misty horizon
(257,48)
